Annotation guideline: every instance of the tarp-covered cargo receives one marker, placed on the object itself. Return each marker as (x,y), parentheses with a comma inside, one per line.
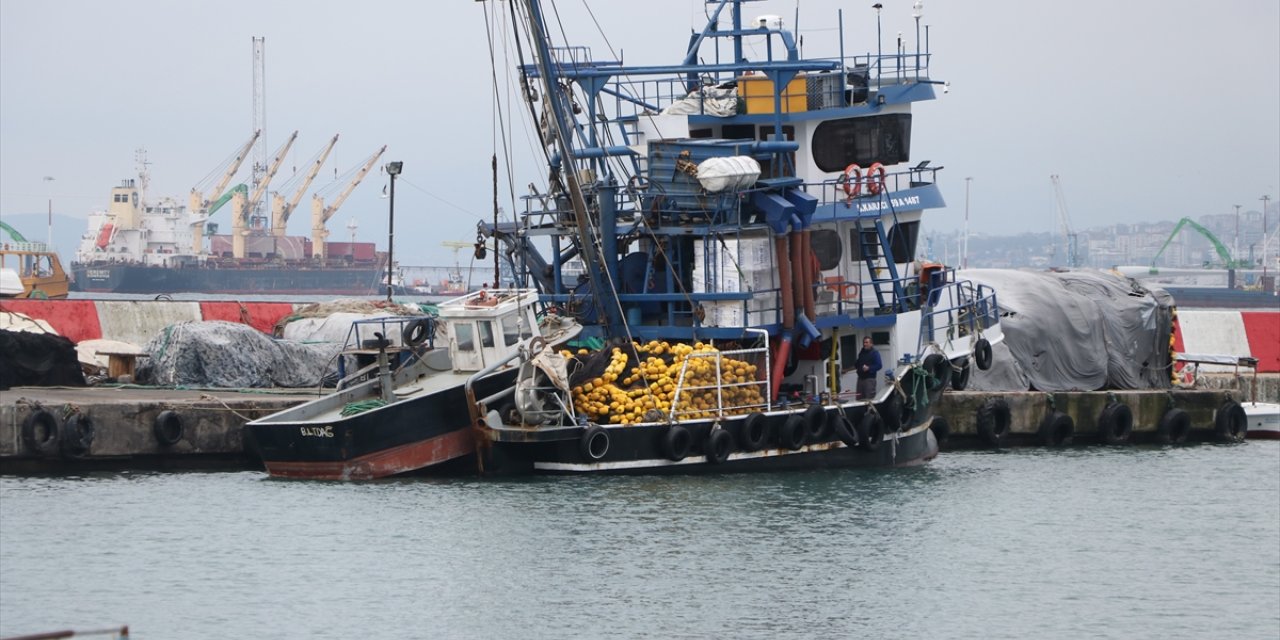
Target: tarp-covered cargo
(228,354)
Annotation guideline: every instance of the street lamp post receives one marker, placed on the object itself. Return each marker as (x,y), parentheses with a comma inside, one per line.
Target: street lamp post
(964,258)
(393,170)
(48,189)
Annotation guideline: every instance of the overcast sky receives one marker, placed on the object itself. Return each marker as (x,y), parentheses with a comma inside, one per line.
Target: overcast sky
(1147,109)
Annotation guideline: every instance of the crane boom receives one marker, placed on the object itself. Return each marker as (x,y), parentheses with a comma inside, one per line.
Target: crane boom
(1064,218)
(199,205)
(271,173)
(1220,248)
(281,210)
(321,214)
(232,169)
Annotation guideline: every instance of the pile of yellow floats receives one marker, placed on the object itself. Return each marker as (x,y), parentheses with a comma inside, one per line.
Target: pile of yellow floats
(631,391)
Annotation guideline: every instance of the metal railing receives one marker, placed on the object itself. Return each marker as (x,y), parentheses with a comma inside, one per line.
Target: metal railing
(757,355)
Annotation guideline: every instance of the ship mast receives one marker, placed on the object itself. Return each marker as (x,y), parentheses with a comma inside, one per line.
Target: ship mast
(259,122)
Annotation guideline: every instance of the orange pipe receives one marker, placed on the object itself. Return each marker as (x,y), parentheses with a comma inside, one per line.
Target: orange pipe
(784,279)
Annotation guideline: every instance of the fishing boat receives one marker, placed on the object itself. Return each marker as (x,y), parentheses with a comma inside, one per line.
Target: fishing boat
(402,407)
(30,269)
(741,226)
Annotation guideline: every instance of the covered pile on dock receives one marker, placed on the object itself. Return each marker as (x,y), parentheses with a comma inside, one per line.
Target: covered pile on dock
(232,355)
(29,359)
(1076,331)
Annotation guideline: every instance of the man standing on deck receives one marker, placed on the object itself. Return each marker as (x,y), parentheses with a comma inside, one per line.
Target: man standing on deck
(868,366)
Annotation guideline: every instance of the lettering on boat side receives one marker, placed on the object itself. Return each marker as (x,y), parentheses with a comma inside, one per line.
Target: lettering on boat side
(897,202)
(318,432)
(98,274)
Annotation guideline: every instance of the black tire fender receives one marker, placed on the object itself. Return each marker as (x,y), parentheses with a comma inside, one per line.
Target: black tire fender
(594,443)
(1115,423)
(754,433)
(1174,426)
(891,412)
(815,423)
(960,375)
(168,428)
(982,354)
(941,429)
(77,435)
(993,421)
(675,443)
(416,331)
(844,429)
(40,430)
(718,446)
(1231,424)
(939,368)
(870,431)
(793,432)
(1057,429)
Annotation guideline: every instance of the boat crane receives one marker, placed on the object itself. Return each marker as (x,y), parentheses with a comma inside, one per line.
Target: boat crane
(199,206)
(280,210)
(320,214)
(1072,238)
(244,207)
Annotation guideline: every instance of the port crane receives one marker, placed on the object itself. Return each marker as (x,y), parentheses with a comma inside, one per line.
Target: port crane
(320,214)
(281,210)
(200,207)
(1072,238)
(1227,261)
(244,206)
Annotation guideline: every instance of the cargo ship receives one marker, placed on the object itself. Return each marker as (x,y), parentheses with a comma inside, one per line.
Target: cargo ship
(165,247)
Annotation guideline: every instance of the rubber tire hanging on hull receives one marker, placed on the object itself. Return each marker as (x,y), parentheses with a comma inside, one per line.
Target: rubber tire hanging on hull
(891,412)
(594,443)
(941,429)
(993,421)
(870,431)
(1115,423)
(1057,429)
(815,423)
(982,354)
(793,432)
(416,332)
(960,375)
(40,432)
(939,368)
(77,435)
(718,446)
(844,429)
(754,433)
(676,442)
(1174,426)
(1231,424)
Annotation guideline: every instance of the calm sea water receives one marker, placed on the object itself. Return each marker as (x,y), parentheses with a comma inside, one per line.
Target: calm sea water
(1090,542)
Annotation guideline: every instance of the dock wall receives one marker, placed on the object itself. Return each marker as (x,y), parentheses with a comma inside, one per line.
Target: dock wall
(137,321)
(1232,333)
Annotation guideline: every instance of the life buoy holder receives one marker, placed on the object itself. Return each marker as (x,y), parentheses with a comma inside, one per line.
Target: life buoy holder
(852,182)
(875,178)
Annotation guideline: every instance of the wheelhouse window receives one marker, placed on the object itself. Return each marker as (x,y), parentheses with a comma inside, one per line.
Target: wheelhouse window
(512,331)
(466,336)
(486,333)
(862,141)
(863,243)
(902,241)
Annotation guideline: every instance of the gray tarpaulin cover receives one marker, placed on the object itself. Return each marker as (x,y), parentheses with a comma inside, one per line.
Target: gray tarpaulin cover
(1076,331)
(229,354)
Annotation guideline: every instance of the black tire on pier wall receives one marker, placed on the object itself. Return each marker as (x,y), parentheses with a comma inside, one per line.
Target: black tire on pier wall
(1231,424)
(77,435)
(793,432)
(993,421)
(719,445)
(754,433)
(675,443)
(1057,429)
(870,431)
(815,423)
(167,428)
(960,376)
(1174,427)
(40,431)
(941,429)
(843,428)
(982,354)
(594,443)
(1115,423)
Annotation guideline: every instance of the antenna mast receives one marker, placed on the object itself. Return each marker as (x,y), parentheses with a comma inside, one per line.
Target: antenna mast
(259,119)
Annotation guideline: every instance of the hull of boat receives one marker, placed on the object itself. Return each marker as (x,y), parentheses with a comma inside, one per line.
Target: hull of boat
(140,279)
(639,449)
(1263,420)
(412,434)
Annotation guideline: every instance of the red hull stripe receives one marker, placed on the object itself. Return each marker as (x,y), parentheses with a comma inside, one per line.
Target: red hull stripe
(401,459)
(1259,434)
(1263,330)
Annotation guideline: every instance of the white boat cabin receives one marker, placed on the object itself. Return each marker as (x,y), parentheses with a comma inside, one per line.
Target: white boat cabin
(488,326)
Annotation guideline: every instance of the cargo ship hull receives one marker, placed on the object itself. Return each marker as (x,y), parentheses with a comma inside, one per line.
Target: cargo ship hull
(266,279)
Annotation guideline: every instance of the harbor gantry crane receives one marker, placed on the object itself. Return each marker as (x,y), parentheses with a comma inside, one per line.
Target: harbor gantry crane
(320,214)
(243,207)
(1072,239)
(281,210)
(200,207)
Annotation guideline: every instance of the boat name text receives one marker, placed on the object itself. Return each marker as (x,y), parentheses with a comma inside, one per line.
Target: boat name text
(867,207)
(318,432)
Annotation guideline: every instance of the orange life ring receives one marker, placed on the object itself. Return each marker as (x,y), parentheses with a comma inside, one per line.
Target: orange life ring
(874,184)
(852,181)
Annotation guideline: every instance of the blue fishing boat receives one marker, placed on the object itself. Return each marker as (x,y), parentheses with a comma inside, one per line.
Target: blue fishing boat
(728,232)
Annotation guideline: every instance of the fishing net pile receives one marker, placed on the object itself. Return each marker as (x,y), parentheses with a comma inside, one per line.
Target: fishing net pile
(1076,331)
(232,355)
(30,359)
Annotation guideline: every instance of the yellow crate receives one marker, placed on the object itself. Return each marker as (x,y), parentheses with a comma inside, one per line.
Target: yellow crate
(758,93)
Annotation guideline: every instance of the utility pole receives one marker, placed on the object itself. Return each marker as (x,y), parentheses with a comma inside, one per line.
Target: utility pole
(964,253)
(49,190)
(259,116)
(1265,199)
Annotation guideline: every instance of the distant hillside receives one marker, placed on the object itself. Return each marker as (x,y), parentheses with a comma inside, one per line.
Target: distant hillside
(35,227)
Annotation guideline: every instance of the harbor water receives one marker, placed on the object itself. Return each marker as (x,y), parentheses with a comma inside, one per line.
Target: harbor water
(1136,542)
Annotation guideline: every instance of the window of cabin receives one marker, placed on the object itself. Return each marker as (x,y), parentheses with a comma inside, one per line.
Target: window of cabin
(826,248)
(863,243)
(862,141)
(486,333)
(466,336)
(510,329)
(902,240)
